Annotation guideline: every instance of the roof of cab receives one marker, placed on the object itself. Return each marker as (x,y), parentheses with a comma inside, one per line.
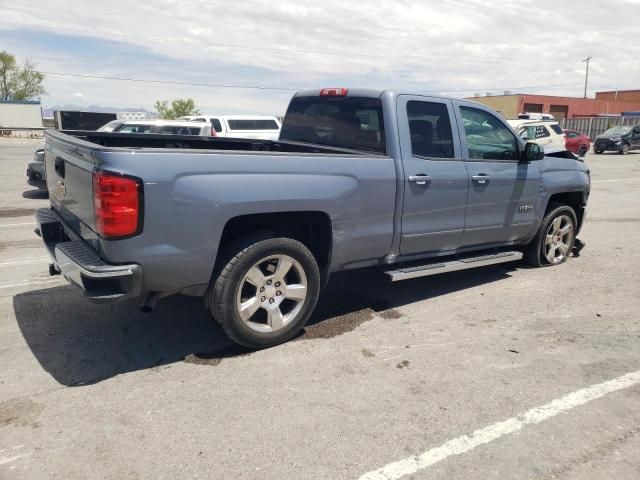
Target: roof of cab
(376,93)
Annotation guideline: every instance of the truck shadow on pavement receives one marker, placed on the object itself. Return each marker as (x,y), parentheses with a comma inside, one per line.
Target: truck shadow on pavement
(79,343)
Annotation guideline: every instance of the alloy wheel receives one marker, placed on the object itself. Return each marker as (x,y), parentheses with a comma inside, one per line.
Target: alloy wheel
(272,293)
(558,239)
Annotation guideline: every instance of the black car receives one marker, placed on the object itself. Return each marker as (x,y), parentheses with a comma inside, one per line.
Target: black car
(36,176)
(620,138)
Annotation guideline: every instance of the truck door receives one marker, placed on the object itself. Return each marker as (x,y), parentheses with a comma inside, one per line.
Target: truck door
(504,193)
(435,183)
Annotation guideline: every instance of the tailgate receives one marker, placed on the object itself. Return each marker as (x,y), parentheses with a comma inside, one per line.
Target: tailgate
(69,166)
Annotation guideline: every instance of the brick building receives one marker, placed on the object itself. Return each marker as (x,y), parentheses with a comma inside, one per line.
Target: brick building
(605,103)
(620,96)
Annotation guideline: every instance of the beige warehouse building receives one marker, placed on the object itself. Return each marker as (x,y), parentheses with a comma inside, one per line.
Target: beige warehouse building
(20,114)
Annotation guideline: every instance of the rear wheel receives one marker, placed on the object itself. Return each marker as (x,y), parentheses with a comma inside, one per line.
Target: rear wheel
(583,150)
(625,149)
(265,292)
(554,241)
(597,151)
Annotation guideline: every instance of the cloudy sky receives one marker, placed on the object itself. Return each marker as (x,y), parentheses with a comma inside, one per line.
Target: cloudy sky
(455,47)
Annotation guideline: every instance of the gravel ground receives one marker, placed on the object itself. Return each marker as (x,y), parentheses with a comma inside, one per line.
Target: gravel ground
(383,373)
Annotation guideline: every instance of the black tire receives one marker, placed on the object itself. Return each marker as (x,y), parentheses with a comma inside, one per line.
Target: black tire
(223,295)
(598,151)
(624,150)
(582,150)
(534,252)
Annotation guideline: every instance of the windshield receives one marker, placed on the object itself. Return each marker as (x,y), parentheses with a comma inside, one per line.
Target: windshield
(618,130)
(347,122)
(174,130)
(110,127)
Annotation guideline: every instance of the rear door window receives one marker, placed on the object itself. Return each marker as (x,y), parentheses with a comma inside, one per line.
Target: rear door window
(556,128)
(430,129)
(532,132)
(346,122)
(217,126)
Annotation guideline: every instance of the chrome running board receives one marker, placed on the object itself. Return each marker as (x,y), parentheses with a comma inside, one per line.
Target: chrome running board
(460,263)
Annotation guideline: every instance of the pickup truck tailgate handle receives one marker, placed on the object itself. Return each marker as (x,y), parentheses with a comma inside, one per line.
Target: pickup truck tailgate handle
(481,179)
(420,179)
(59,167)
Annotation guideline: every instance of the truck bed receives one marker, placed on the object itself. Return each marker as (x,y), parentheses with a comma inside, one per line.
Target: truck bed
(148,140)
(192,187)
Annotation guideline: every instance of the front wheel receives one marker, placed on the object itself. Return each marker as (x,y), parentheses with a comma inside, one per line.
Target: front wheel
(625,149)
(554,241)
(266,291)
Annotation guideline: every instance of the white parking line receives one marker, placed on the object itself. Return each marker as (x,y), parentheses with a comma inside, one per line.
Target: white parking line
(26,284)
(465,443)
(17,224)
(616,180)
(25,261)
(5,460)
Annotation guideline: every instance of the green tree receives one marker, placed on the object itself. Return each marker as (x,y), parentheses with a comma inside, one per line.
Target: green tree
(180,107)
(19,83)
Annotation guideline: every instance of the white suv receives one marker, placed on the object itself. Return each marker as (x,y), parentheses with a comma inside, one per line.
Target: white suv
(240,126)
(545,133)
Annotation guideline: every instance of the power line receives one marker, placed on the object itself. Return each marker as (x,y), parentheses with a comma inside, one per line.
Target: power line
(168,82)
(262,87)
(503,88)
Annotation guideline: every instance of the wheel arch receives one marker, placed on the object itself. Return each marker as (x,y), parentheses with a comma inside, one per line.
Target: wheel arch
(575,200)
(313,228)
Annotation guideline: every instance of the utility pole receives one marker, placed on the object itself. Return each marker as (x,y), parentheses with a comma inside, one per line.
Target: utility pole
(586,75)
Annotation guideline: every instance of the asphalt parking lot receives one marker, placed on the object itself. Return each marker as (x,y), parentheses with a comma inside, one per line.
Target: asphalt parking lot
(388,381)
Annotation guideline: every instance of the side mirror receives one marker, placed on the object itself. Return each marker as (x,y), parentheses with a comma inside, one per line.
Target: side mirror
(532,151)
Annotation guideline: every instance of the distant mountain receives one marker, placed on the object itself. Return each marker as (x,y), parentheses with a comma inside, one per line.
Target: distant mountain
(48,112)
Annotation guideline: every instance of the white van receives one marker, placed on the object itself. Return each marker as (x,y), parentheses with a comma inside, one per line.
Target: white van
(240,126)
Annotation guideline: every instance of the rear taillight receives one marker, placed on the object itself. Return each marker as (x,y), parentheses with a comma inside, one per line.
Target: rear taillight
(116,201)
(333,92)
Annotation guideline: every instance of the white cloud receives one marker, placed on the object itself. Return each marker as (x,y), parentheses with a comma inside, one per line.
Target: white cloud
(445,46)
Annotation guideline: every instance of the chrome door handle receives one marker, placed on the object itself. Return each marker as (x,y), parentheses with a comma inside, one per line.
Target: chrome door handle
(481,179)
(420,179)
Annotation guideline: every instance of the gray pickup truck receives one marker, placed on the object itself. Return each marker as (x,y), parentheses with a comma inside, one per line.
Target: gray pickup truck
(414,185)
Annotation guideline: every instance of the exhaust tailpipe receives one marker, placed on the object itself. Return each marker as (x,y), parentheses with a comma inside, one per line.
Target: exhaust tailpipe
(150,299)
